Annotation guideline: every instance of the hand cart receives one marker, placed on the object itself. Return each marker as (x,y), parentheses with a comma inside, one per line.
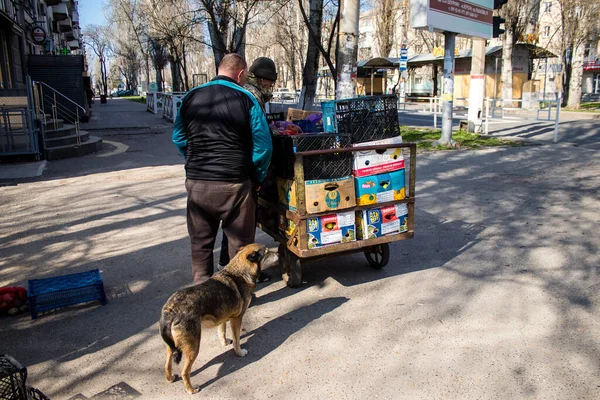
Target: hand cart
(294,251)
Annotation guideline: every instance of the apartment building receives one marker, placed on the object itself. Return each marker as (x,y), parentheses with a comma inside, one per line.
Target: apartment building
(549,72)
(34,27)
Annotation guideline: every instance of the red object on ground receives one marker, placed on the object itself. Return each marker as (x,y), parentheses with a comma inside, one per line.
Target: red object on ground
(12,297)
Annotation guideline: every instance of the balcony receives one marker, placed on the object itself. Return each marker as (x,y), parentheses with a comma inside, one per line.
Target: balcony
(73,44)
(65,26)
(75,19)
(60,12)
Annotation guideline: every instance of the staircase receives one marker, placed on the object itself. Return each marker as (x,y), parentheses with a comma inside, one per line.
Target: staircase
(60,117)
(64,141)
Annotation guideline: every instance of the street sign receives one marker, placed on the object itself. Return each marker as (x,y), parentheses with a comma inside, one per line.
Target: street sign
(403,58)
(469,18)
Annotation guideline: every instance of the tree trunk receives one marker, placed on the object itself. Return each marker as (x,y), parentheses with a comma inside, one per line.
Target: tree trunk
(218,44)
(103,72)
(507,66)
(566,78)
(311,67)
(347,49)
(576,79)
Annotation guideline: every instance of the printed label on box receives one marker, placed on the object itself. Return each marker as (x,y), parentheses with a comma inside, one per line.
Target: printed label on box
(330,229)
(380,188)
(372,162)
(321,195)
(376,222)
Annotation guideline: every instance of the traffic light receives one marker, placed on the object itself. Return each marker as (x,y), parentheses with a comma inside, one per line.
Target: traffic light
(497,21)
(496,30)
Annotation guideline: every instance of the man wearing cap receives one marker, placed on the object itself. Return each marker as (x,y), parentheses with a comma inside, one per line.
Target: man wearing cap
(262,76)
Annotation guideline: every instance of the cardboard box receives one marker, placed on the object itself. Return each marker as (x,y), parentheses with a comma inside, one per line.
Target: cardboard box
(321,195)
(380,188)
(376,222)
(372,162)
(331,229)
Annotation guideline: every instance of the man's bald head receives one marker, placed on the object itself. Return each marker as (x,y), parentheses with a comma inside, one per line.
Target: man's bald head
(235,67)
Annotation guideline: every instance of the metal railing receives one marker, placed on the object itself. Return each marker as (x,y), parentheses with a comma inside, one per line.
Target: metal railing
(49,101)
(171,104)
(154,102)
(18,132)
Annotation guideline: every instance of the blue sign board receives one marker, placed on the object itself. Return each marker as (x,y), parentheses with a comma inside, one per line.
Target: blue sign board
(403,58)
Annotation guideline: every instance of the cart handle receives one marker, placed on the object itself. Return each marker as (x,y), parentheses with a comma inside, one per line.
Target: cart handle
(412,146)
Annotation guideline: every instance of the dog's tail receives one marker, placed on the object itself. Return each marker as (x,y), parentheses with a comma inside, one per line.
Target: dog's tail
(166,320)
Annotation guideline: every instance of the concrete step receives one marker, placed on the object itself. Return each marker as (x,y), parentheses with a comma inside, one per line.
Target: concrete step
(50,123)
(66,130)
(67,140)
(93,145)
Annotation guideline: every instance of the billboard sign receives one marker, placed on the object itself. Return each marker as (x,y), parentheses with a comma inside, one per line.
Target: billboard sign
(467,18)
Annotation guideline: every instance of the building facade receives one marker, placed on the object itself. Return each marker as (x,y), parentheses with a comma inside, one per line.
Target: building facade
(34,27)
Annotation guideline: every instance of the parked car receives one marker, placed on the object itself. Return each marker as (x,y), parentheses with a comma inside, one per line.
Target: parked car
(283,94)
(123,93)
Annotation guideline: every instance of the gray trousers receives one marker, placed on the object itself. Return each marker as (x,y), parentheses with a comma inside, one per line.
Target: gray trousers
(210,203)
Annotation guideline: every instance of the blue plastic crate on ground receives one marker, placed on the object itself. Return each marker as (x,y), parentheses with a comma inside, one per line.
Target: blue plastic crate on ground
(61,291)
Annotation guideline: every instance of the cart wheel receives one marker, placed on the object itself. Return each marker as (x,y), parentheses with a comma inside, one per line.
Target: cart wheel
(291,267)
(378,256)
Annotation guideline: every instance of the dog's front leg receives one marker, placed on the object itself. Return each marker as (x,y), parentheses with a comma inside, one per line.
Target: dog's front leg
(236,327)
(222,332)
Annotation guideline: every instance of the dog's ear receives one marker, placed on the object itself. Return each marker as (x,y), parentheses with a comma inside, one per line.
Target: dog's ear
(255,256)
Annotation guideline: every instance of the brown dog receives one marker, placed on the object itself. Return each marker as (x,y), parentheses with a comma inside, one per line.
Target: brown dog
(224,297)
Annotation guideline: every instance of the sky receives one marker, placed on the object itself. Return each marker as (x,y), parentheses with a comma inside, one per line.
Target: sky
(91,12)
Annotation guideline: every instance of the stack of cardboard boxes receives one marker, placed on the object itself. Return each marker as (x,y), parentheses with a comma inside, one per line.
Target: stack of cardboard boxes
(378,177)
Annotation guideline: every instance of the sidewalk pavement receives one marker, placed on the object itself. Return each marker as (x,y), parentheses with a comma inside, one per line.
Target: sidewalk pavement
(120,113)
(497,296)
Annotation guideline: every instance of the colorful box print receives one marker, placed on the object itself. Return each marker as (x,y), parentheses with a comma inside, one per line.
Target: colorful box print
(321,195)
(331,229)
(373,162)
(377,222)
(380,188)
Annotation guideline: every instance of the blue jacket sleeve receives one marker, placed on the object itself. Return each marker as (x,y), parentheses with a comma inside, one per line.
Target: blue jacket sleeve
(262,145)
(179,137)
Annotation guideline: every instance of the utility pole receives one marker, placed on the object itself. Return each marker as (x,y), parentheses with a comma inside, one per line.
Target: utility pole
(348,49)
(448,94)
(476,88)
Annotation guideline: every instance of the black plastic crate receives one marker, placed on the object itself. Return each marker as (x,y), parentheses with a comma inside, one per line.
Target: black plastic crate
(368,118)
(12,379)
(61,291)
(35,394)
(315,167)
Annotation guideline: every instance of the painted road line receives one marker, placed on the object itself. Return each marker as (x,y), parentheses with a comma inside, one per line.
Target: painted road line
(119,148)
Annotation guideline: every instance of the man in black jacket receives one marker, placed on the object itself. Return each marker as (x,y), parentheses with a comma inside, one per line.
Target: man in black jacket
(223,134)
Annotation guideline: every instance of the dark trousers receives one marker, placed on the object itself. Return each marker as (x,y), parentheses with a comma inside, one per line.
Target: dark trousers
(210,203)
(224,256)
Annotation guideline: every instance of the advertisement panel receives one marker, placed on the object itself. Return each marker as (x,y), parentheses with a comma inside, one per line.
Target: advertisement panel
(468,18)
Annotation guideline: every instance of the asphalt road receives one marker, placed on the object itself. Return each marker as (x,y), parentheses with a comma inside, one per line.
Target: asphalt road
(496,297)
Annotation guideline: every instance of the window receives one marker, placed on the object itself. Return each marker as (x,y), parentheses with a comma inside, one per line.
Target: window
(418,81)
(548,6)
(5,61)
(546,31)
